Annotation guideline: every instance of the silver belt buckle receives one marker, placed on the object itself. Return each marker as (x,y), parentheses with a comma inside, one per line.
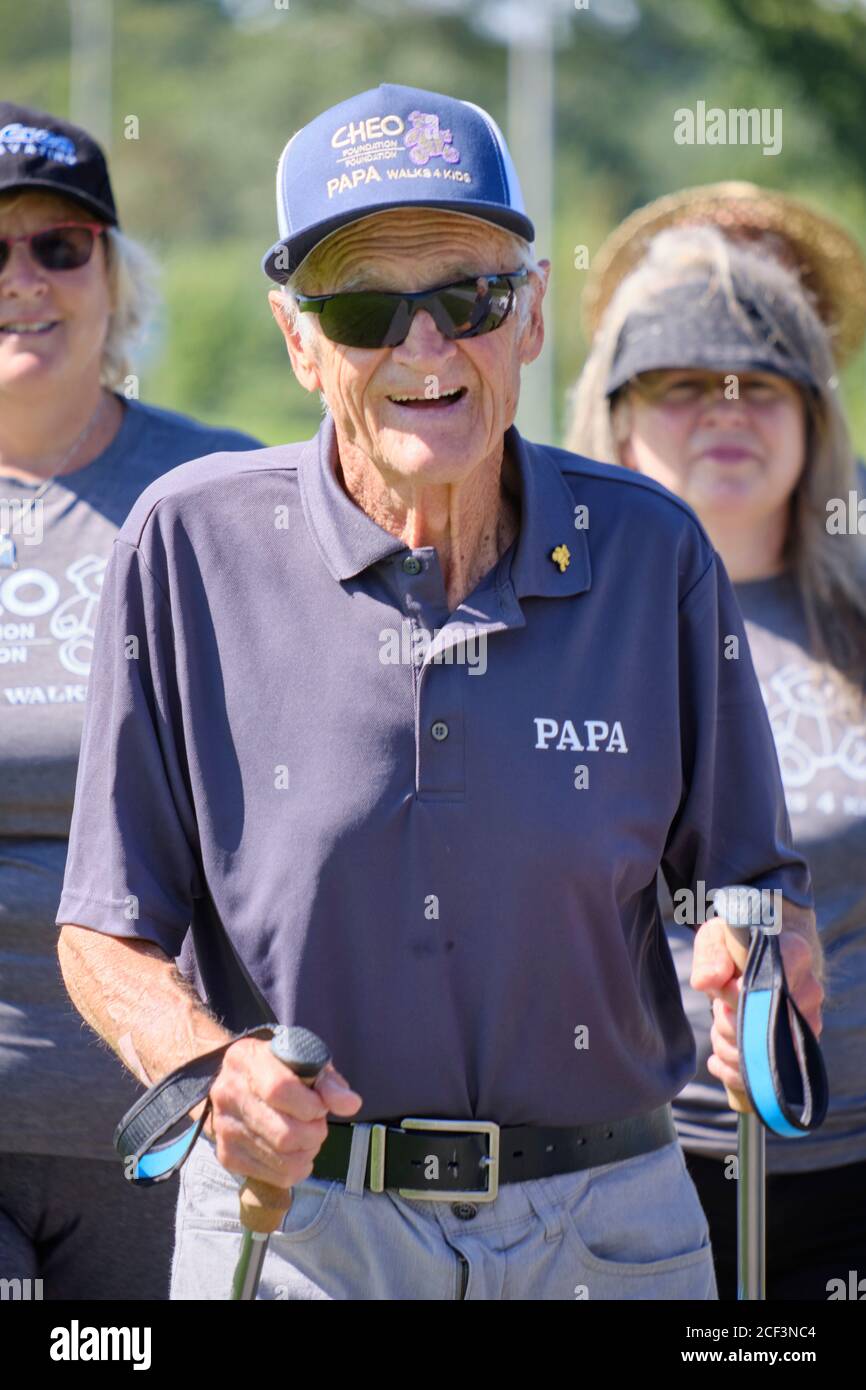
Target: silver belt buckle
(378,1135)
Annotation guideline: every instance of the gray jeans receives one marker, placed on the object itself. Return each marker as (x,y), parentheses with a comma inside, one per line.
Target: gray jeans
(628,1230)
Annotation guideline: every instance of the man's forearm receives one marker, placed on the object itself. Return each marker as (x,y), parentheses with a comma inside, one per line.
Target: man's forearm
(802,921)
(131,994)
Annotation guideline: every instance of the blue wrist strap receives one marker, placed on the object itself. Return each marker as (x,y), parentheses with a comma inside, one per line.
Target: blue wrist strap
(163,1107)
(780,1059)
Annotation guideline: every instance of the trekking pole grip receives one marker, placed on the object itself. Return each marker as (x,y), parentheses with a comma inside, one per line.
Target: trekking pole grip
(737,940)
(739,906)
(263,1206)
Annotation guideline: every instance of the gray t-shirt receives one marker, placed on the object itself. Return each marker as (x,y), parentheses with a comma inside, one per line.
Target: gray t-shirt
(62,1090)
(822,755)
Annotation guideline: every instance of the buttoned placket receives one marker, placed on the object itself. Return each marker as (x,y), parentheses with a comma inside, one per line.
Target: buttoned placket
(550,558)
(440,662)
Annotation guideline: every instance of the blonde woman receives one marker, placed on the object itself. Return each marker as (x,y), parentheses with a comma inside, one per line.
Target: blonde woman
(711,371)
(75,453)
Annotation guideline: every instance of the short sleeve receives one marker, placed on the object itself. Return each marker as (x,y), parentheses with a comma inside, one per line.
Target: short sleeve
(132,867)
(732,824)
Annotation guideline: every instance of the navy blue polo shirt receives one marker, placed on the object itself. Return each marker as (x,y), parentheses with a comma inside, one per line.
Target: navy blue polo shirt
(431,837)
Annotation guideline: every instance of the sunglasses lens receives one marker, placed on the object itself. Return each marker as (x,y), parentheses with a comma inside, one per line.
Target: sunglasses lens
(477,307)
(371,320)
(63,248)
(462,305)
(359,320)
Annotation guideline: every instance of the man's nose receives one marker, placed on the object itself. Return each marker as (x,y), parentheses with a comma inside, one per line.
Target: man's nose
(425,338)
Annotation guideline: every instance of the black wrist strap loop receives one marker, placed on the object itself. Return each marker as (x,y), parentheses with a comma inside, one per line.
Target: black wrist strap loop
(781,1061)
(162,1107)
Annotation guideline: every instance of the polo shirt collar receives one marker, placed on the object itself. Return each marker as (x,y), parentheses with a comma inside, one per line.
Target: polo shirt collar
(349,541)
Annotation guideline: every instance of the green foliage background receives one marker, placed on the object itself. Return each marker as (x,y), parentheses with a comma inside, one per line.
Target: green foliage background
(217,96)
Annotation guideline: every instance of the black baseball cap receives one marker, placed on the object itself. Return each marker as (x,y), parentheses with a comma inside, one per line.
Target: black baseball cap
(695,324)
(42,151)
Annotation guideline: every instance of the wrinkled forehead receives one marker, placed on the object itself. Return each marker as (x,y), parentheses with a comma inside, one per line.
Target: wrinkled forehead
(405,248)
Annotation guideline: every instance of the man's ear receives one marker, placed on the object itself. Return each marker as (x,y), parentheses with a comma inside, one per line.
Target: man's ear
(303,362)
(533,333)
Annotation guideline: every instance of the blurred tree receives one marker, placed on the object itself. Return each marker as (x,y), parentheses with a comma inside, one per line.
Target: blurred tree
(218,86)
(822,48)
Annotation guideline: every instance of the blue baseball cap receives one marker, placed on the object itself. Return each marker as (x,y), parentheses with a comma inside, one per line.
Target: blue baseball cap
(388,148)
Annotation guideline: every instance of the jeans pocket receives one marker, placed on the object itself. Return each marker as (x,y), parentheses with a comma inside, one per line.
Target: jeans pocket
(639,1230)
(314,1202)
(212,1197)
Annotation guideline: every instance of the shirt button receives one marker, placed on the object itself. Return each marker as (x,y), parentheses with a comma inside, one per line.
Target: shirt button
(412,565)
(439,730)
(465,1210)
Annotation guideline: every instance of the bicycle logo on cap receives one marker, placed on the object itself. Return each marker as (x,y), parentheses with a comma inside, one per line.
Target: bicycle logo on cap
(425,139)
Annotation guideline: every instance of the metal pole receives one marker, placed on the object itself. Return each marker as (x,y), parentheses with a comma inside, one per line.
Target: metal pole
(751,1213)
(90,48)
(739,907)
(531,141)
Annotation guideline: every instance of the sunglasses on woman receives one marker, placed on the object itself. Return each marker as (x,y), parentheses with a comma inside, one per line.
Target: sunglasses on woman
(380,318)
(67,246)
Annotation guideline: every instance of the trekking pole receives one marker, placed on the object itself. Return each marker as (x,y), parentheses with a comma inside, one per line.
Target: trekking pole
(741,920)
(262,1205)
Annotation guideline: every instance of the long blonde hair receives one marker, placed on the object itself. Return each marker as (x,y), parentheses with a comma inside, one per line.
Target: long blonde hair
(830,570)
(132,281)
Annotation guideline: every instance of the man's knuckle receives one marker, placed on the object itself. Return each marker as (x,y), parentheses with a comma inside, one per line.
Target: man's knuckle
(304,1169)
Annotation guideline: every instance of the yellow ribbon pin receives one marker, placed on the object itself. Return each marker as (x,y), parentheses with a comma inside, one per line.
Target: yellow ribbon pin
(562,557)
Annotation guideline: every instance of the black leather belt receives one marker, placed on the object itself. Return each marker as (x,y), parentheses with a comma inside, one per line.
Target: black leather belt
(426,1159)
(453,1160)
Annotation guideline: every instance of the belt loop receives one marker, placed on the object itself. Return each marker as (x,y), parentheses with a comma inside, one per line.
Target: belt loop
(551,1217)
(357,1169)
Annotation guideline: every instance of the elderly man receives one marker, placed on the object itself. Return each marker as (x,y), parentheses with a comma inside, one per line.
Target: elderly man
(298,771)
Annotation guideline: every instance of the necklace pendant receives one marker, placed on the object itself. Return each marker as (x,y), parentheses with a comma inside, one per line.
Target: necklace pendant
(8,552)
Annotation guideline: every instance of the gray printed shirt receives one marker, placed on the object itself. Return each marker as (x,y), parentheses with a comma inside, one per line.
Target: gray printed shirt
(448,873)
(62,1089)
(822,753)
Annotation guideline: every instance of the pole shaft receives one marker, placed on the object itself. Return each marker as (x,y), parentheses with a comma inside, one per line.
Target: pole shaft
(751,1213)
(531,73)
(249,1266)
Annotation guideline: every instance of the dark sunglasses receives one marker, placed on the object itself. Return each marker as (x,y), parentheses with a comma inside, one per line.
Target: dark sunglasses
(67,246)
(382,318)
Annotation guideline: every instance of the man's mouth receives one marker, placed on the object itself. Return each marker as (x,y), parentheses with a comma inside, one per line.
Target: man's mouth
(444,400)
(20,328)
